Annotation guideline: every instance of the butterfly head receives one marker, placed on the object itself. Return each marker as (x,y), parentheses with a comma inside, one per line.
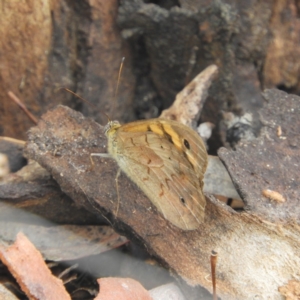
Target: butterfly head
(111,127)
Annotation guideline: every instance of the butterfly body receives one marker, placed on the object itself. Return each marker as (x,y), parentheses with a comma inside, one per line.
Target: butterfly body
(167,160)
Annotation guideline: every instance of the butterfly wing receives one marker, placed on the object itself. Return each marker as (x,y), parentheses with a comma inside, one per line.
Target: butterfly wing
(167,161)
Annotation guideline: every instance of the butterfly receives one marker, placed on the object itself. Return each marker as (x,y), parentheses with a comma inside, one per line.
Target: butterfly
(167,161)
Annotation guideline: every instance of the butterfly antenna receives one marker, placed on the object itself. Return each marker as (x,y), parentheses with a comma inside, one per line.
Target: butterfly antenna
(84,100)
(119,80)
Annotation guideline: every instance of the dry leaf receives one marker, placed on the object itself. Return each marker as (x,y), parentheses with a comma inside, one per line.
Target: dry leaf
(121,289)
(26,264)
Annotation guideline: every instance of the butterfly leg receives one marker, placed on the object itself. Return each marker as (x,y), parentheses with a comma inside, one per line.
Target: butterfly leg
(104,155)
(117,188)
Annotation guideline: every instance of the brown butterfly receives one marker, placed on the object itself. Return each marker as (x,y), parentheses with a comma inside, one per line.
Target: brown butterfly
(167,160)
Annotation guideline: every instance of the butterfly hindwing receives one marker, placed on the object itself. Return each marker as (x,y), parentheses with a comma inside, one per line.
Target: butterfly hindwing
(167,161)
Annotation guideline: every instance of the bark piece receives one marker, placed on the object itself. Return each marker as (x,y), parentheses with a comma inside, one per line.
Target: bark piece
(28,267)
(37,68)
(106,49)
(31,196)
(241,240)
(281,67)
(181,39)
(48,45)
(270,162)
(189,102)
(67,242)
(121,288)
(291,291)
(6,294)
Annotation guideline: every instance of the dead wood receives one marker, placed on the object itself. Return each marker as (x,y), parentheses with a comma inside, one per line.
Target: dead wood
(31,272)
(31,196)
(123,288)
(65,242)
(270,161)
(255,256)
(255,45)
(48,45)
(79,45)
